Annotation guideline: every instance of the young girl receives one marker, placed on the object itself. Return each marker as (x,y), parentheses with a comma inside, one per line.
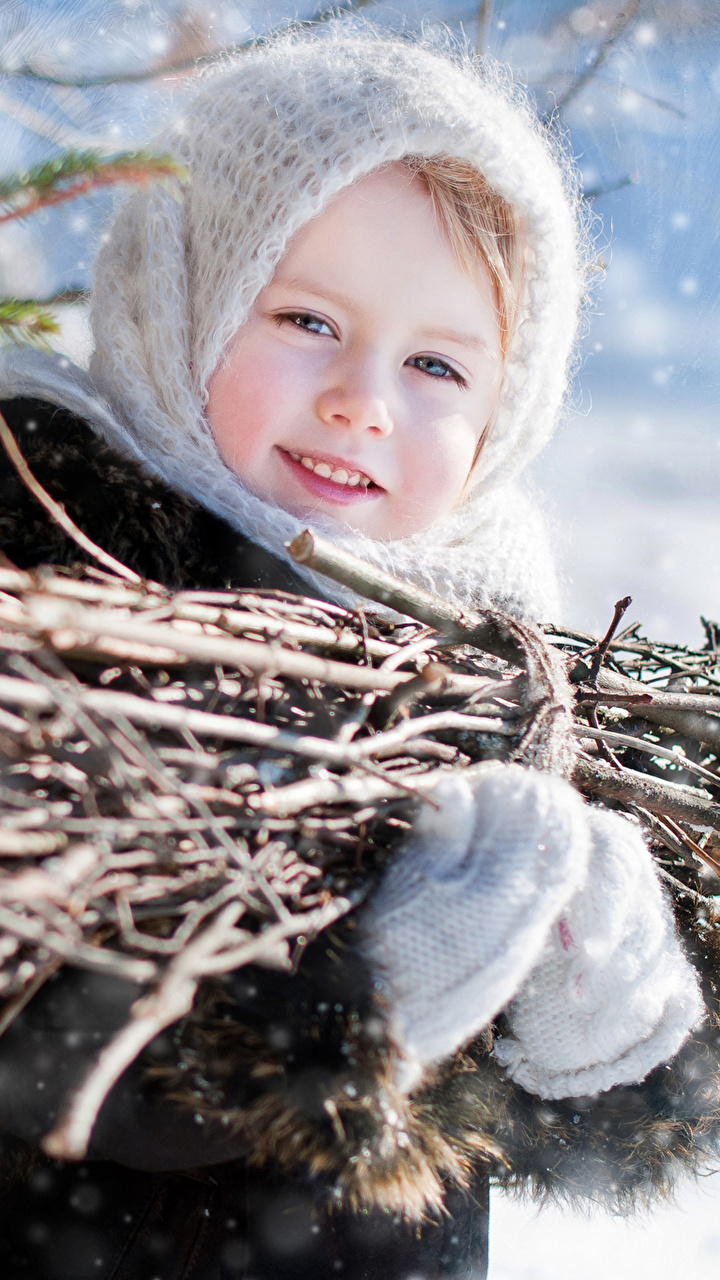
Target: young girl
(360,315)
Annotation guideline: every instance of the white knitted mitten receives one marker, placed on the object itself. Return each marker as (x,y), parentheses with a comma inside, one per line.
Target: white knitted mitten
(613,994)
(464,911)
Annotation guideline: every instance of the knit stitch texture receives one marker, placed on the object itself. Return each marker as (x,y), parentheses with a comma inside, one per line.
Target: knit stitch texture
(464,910)
(612,994)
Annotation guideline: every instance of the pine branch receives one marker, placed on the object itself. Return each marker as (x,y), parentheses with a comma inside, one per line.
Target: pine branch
(76,173)
(26,322)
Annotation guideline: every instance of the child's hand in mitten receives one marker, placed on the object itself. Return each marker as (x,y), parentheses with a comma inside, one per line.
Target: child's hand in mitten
(465,909)
(613,994)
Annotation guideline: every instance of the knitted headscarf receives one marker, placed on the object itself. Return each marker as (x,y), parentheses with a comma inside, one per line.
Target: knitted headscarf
(270,137)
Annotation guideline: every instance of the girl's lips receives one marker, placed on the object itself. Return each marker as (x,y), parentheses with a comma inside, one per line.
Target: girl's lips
(329,490)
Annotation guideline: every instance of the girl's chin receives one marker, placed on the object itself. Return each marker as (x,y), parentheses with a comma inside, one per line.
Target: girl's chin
(337,519)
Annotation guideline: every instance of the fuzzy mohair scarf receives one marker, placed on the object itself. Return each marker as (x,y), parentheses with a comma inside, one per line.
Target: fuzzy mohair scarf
(269,138)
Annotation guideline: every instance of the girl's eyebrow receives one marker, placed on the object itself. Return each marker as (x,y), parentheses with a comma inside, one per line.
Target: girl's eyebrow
(323,295)
(473,341)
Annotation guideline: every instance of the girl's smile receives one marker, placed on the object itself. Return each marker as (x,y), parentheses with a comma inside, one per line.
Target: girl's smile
(368,368)
(333,479)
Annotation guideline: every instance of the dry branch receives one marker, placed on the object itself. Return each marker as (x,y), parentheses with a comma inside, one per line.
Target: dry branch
(176,68)
(457,626)
(618,29)
(672,799)
(485,12)
(651,749)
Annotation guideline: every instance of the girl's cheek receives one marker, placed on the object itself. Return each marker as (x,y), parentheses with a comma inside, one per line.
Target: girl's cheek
(251,403)
(436,468)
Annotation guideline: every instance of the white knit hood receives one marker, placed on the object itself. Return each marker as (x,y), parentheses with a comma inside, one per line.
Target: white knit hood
(270,137)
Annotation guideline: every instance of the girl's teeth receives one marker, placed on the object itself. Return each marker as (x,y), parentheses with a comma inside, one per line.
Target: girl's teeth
(341,476)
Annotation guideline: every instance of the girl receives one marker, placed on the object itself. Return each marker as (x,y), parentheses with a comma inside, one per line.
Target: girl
(361,314)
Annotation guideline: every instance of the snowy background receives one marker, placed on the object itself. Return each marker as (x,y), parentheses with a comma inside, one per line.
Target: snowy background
(632,480)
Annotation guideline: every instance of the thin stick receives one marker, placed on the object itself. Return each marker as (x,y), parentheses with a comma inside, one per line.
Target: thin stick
(621,608)
(69,1139)
(353,790)
(282,629)
(692,845)
(171,716)
(408,651)
(144,711)
(130,828)
(483,25)
(668,799)
(77,953)
(693,724)
(612,683)
(684,890)
(56,585)
(458,626)
(652,748)
(75,623)
(617,31)
(676,839)
(254,655)
(57,512)
(375,584)
(383,744)
(307,923)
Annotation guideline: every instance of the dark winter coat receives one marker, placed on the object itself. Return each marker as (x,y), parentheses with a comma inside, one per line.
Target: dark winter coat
(168,1190)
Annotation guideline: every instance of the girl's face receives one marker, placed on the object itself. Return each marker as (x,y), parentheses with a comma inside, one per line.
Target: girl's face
(361,383)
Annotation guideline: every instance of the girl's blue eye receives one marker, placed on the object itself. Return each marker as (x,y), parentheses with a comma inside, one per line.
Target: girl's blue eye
(436,368)
(307,321)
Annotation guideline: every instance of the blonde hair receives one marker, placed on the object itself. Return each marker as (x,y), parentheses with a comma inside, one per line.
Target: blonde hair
(479,224)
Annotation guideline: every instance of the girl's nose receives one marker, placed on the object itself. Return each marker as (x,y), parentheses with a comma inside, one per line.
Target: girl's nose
(355,407)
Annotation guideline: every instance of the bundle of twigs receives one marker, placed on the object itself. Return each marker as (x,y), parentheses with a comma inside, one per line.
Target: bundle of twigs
(192,782)
(195,781)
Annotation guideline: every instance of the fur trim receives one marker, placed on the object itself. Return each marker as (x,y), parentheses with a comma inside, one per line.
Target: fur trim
(311,1086)
(349,1126)
(148,526)
(18,1161)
